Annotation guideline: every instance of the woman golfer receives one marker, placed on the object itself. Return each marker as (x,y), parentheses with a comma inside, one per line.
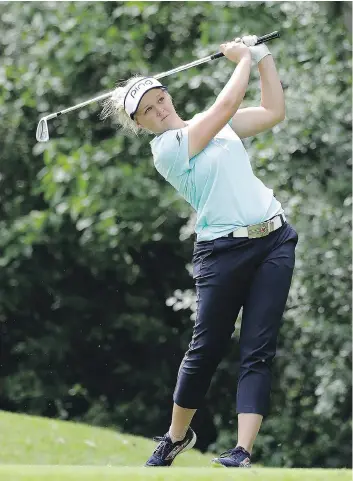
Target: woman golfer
(244,254)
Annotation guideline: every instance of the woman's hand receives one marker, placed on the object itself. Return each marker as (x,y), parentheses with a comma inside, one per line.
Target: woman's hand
(235,50)
(258,52)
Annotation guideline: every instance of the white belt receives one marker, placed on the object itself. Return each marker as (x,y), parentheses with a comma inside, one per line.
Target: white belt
(260,230)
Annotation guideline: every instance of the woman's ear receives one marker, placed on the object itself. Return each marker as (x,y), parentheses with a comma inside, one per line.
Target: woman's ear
(139,126)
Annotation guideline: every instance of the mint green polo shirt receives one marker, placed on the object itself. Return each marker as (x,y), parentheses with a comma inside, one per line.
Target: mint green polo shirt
(218,182)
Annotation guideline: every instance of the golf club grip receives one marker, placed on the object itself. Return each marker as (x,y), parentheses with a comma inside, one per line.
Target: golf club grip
(264,38)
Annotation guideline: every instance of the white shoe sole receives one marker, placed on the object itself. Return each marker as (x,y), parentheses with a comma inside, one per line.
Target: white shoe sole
(190,445)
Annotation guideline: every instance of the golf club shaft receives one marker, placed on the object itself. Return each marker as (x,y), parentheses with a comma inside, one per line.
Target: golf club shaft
(262,39)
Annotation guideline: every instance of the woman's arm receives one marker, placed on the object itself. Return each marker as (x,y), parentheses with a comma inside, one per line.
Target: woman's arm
(253,120)
(203,130)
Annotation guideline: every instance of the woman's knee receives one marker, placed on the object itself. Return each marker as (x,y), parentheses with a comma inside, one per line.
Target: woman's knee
(207,354)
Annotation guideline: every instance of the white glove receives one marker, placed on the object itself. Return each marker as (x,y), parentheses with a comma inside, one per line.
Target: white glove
(258,52)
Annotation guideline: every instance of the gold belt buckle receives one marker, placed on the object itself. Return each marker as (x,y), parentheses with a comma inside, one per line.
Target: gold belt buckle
(260,230)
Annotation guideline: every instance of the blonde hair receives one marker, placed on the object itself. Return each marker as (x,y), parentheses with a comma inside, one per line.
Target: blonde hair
(114,107)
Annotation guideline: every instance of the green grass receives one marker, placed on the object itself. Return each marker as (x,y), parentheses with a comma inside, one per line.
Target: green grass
(36,440)
(95,473)
(34,448)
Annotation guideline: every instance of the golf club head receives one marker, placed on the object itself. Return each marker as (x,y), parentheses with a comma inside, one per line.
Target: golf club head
(42,134)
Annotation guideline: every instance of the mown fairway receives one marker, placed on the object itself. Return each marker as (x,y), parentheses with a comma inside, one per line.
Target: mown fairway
(35,449)
(95,473)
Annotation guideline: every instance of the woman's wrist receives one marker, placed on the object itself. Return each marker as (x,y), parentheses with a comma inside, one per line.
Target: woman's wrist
(247,56)
(259,52)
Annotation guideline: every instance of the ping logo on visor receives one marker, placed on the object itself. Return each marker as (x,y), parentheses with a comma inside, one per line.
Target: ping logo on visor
(142,84)
(135,93)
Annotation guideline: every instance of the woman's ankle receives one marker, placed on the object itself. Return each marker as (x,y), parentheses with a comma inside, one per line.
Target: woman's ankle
(175,437)
(247,448)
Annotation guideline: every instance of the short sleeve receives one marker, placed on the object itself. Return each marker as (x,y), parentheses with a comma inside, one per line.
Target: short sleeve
(171,153)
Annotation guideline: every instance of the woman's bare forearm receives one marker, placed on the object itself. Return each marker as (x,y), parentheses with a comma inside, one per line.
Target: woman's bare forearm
(272,96)
(233,92)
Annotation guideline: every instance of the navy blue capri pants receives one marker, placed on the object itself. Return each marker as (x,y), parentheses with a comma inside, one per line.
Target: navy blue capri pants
(231,273)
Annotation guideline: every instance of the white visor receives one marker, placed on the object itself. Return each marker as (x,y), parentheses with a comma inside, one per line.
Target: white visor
(135,93)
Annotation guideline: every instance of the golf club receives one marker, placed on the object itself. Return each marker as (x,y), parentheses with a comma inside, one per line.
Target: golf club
(42,133)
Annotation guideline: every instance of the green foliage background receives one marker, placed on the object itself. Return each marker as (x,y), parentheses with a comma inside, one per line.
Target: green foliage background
(96,299)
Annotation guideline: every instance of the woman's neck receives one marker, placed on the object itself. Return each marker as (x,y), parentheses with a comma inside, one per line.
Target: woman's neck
(177,124)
